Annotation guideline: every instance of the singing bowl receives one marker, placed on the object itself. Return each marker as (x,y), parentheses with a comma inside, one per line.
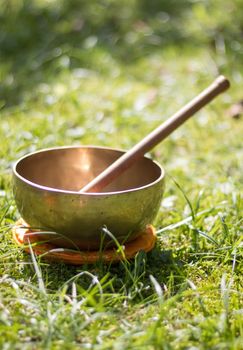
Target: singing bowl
(46,185)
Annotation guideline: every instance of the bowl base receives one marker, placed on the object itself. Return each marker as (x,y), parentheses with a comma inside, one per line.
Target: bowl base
(25,237)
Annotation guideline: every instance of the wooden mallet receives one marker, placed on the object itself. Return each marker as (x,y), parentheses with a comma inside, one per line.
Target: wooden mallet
(156,136)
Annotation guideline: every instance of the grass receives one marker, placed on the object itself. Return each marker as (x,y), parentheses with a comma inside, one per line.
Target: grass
(107,73)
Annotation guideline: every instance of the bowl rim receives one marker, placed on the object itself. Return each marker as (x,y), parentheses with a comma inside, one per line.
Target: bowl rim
(92,194)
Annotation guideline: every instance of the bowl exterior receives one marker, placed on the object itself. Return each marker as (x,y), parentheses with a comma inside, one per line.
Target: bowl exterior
(85,220)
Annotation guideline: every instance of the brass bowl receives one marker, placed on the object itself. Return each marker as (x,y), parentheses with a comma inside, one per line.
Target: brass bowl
(46,185)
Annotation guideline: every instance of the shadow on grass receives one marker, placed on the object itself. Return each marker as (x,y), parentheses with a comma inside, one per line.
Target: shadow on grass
(38,40)
(129,280)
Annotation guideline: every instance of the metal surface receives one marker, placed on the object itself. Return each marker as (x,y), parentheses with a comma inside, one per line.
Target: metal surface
(46,185)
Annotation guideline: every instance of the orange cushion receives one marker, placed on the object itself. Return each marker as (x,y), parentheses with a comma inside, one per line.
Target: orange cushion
(23,236)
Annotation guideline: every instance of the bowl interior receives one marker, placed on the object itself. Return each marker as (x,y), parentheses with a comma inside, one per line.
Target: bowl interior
(70,168)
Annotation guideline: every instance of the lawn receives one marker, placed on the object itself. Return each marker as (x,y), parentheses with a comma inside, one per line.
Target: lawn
(107,73)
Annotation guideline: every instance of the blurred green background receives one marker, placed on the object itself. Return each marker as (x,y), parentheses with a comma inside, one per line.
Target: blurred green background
(40,38)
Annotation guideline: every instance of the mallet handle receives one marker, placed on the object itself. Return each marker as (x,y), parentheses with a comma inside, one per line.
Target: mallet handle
(156,136)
